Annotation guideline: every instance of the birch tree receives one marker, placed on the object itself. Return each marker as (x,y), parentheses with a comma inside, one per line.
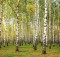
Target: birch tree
(0,22)
(36,24)
(45,29)
(53,22)
(4,38)
(58,22)
(50,29)
(17,28)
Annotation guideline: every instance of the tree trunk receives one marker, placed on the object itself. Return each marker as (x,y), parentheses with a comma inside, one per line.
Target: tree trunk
(36,24)
(58,26)
(50,29)
(45,30)
(4,42)
(17,28)
(0,22)
(53,27)
(59,39)
(17,44)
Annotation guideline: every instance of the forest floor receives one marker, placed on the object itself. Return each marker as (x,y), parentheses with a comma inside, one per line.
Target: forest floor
(28,51)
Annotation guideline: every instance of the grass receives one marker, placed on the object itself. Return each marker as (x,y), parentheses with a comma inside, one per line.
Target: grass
(28,51)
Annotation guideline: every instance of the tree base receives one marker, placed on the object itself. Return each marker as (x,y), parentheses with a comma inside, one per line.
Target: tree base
(4,46)
(35,47)
(17,49)
(41,44)
(43,52)
(49,47)
(53,45)
(7,44)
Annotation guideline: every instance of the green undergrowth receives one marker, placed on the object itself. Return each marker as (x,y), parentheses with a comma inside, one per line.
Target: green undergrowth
(28,51)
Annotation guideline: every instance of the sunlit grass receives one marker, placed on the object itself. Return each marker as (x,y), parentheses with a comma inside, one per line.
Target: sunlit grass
(28,51)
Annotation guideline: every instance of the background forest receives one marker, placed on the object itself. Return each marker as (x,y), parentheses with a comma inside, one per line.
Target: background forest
(29,28)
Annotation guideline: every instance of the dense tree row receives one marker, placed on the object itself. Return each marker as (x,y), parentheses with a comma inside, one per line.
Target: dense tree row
(30,21)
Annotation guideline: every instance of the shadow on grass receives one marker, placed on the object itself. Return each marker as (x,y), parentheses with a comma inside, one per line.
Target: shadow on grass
(22,51)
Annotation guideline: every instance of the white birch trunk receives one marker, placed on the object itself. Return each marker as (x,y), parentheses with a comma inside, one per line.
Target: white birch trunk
(58,26)
(50,30)
(4,39)
(17,36)
(53,26)
(7,35)
(17,28)
(59,39)
(45,29)
(36,22)
(22,34)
